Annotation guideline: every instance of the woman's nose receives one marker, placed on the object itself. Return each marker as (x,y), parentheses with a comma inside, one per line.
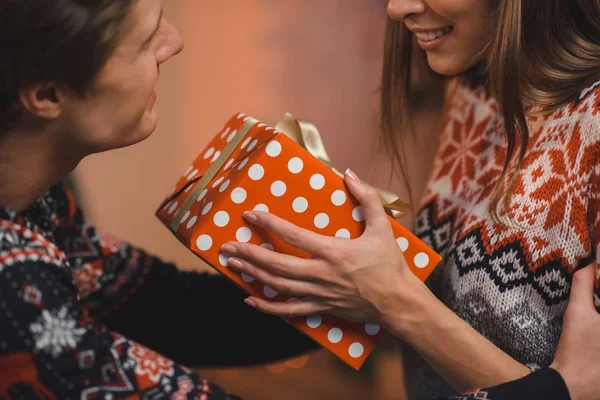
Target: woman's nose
(398,10)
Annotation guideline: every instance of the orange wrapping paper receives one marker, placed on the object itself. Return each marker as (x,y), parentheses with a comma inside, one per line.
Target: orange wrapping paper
(270,172)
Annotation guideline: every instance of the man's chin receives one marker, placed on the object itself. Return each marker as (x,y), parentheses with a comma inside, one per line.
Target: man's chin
(146,127)
(142,132)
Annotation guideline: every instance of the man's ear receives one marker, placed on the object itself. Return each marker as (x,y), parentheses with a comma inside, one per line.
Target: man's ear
(42,100)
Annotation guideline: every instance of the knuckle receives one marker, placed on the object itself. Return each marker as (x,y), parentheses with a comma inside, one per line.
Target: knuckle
(371,194)
(278,265)
(292,237)
(336,255)
(282,285)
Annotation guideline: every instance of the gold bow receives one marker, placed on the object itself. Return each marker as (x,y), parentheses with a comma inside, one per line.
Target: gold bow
(306,135)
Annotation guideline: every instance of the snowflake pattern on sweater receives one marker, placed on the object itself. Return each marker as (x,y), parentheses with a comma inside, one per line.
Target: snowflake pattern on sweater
(50,346)
(511,282)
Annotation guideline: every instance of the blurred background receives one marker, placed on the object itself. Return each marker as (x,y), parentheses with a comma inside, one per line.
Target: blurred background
(319,60)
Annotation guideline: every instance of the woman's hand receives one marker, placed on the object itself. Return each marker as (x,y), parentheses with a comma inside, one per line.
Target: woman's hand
(578,353)
(357,279)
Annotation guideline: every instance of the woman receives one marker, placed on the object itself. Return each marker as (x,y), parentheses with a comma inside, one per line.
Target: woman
(513,203)
(83,315)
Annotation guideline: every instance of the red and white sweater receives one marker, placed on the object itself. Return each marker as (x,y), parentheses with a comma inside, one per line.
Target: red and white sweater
(511,282)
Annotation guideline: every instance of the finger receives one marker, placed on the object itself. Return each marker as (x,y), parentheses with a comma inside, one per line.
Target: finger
(278,283)
(289,309)
(582,288)
(300,238)
(273,262)
(373,212)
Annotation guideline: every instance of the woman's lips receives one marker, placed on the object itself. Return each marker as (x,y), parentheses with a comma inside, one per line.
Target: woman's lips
(431,39)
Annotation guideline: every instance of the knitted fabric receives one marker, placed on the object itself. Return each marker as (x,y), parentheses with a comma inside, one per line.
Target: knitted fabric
(511,280)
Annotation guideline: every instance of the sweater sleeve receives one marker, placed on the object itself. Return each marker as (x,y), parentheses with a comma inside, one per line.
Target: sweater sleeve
(50,348)
(545,384)
(174,312)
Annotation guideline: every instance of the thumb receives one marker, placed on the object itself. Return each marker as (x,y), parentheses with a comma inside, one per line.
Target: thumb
(582,288)
(372,209)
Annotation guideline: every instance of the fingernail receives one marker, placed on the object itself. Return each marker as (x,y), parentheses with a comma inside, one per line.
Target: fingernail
(251,216)
(234,262)
(250,302)
(350,174)
(229,249)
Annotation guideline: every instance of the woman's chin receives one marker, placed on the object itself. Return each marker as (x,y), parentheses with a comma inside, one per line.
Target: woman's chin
(445,65)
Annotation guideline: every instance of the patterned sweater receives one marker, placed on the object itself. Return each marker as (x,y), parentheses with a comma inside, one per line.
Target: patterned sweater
(511,282)
(85,316)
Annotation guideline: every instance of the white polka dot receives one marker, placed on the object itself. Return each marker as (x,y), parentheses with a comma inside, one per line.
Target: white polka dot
(243,235)
(270,292)
(317,181)
(173,207)
(209,153)
(224,186)
(207,208)
(223,258)
(242,164)
(300,205)
(343,233)
(402,243)
(261,207)
(238,195)
(229,163)
(267,246)
(185,217)
(221,219)
(335,335)
(338,198)
(253,145)
(321,220)
(218,182)
(225,132)
(187,189)
(273,149)
(192,174)
(256,172)
(164,208)
(187,171)
(191,222)
(358,214)
(202,194)
(248,139)
(247,278)
(356,350)
(231,136)
(313,321)
(278,188)
(204,242)
(421,260)
(216,156)
(295,165)
(372,329)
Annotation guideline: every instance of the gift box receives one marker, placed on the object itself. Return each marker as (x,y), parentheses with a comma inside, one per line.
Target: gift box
(286,171)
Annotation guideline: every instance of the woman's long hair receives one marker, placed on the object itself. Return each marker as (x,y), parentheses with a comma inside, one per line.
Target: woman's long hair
(549,51)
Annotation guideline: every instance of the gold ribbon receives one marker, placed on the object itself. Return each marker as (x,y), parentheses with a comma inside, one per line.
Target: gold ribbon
(305,134)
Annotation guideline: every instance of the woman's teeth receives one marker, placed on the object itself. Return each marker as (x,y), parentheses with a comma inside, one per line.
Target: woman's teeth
(429,36)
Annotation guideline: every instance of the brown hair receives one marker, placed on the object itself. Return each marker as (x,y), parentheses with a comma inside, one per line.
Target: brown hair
(65,41)
(548,49)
